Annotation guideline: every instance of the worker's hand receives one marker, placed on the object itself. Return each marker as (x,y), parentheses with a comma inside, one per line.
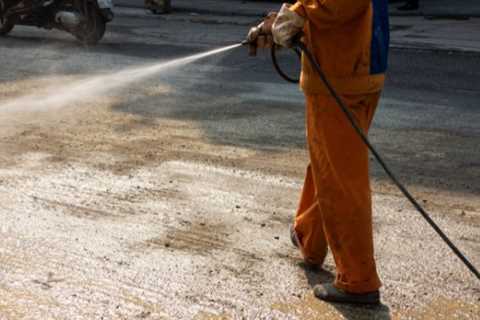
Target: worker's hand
(286,26)
(261,36)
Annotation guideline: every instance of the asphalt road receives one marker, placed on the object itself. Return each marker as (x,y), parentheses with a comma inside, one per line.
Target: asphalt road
(171,198)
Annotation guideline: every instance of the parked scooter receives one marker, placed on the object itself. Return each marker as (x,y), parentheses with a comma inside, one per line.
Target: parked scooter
(85,19)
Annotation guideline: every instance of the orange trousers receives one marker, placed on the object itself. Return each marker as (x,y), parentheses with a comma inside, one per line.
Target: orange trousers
(336,206)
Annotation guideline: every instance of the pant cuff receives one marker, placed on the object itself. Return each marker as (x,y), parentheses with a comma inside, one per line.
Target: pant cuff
(359,288)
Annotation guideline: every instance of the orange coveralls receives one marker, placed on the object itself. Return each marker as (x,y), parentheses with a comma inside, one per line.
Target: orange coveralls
(350,41)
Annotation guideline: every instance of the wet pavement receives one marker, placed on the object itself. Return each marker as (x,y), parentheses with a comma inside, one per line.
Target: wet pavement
(171,199)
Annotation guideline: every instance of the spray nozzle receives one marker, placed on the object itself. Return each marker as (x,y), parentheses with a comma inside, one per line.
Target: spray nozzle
(252,47)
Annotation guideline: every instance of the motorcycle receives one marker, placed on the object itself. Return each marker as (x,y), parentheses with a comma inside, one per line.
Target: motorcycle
(85,19)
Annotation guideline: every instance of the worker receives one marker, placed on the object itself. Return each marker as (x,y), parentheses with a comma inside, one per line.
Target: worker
(349,39)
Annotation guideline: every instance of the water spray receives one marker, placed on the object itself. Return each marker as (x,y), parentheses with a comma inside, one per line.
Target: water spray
(299,47)
(91,87)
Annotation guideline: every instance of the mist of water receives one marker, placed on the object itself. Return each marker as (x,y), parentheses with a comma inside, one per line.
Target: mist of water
(61,95)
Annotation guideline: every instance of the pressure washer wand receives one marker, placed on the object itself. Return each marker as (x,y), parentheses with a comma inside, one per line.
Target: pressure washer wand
(313,61)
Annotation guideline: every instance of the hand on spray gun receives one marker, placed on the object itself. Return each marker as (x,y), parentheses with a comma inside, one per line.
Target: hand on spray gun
(260,36)
(280,28)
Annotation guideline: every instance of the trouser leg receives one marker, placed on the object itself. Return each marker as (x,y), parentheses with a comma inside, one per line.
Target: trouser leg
(340,175)
(308,224)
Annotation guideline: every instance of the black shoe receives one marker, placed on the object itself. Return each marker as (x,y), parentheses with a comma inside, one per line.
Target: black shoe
(296,242)
(293,236)
(408,7)
(328,292)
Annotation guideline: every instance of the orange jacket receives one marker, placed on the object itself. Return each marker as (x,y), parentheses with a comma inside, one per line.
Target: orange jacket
(350,41)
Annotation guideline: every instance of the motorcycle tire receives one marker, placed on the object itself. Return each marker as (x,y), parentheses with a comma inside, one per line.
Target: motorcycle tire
(94,31)
(5,26)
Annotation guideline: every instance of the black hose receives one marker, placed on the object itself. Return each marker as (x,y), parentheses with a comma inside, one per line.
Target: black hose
(279,70)
(382,163)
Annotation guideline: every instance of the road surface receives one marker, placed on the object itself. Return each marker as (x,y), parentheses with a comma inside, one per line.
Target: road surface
(171,198)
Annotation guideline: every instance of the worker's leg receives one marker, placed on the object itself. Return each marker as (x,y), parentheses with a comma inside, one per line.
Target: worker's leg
(308,224)
(340,170)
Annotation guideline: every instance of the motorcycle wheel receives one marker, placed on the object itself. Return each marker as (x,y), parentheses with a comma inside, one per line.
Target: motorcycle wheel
(5,26)
(94,30)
